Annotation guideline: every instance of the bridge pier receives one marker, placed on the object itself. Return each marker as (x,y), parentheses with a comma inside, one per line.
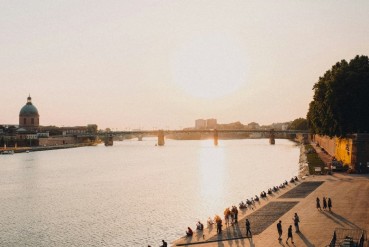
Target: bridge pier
(108,140)
(140,137)
(272,137)
(161,141)
(215,137)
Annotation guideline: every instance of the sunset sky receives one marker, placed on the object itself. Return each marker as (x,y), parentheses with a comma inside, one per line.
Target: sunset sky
(163,64)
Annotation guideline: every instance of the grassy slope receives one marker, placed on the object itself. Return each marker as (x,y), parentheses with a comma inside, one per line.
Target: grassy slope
(313,160)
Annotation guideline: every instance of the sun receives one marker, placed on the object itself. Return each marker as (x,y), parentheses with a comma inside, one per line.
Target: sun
(209,67)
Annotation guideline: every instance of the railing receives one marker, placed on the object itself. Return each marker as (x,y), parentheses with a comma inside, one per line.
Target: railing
(155,132)
(349,238)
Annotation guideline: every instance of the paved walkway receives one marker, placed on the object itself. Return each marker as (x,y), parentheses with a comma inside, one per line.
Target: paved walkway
(350,198)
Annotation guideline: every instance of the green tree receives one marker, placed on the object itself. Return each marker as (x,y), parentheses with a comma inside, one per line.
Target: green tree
(340,104)
(298,124)
(92,128)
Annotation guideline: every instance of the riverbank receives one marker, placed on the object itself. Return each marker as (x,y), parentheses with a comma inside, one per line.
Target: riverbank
(303,164)
(45,148)
(350,204)
(210,236)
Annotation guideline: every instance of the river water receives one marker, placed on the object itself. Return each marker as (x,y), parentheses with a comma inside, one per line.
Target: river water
(133,193)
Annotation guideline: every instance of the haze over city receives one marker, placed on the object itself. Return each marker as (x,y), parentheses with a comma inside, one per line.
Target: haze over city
(163,64)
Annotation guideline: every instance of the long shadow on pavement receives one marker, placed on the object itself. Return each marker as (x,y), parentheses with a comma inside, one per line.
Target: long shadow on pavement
(328,215)
(251,241)
(344,220)
(220,244)
(306,241)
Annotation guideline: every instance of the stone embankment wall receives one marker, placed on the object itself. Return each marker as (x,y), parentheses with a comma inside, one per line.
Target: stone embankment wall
(303,164)
(340,148)
(344,150)
(329,144)
(353,150)
(52,141)
(302,138)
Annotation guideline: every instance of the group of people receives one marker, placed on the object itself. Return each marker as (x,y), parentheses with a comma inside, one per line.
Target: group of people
(296,221)
(218,221)
(231,214)
(250,203)
(199,227)
(263,194)
(294,179)
(327,203)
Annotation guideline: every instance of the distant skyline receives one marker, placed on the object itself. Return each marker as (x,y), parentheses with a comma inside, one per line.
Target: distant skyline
(164,64)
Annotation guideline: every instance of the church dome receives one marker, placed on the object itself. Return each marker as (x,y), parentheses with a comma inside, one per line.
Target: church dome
(29,109)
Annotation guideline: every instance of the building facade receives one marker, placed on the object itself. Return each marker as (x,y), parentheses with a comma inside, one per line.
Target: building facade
(200,124)
(211,123)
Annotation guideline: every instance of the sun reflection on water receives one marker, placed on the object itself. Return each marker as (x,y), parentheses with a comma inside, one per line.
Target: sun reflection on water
(213,173)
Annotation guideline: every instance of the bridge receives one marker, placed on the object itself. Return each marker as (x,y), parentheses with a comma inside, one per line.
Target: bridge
(108,136)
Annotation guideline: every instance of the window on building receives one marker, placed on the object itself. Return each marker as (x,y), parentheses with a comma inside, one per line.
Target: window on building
(32,121)
(24,121)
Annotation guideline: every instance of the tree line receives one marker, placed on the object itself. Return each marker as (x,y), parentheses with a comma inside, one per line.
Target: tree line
(340,105)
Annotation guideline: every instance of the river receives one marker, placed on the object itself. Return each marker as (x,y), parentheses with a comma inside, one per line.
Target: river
(133,193)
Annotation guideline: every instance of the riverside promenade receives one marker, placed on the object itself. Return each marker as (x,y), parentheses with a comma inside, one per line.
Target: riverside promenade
(350,199)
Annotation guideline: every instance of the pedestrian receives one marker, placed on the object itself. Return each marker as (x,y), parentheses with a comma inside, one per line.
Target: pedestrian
(231,217)
(235,210)
(324,203)
(329,204)
(248,228)
(318,204)
(227,213)
(165,244)
(289,235)
(219,226)
(279,228)
(296,221)
(210,222)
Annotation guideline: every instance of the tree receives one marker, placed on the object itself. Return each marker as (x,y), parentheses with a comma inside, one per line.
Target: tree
(298,124)
(340,104)
(92,128)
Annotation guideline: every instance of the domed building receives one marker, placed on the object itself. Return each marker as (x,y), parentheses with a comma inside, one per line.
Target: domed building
(28,116)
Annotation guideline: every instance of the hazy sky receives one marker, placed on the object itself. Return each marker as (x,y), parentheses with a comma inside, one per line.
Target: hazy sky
(140,63)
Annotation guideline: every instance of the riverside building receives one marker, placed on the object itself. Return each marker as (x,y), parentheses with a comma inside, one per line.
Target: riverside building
(29,132)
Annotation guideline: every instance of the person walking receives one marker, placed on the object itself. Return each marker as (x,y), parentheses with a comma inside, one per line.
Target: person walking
(324,203)
(289,235)
(296,221)
(318,204)
(219,226)
(329,204)
(279,228)
(235,211)
(248,228)
(227,214)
